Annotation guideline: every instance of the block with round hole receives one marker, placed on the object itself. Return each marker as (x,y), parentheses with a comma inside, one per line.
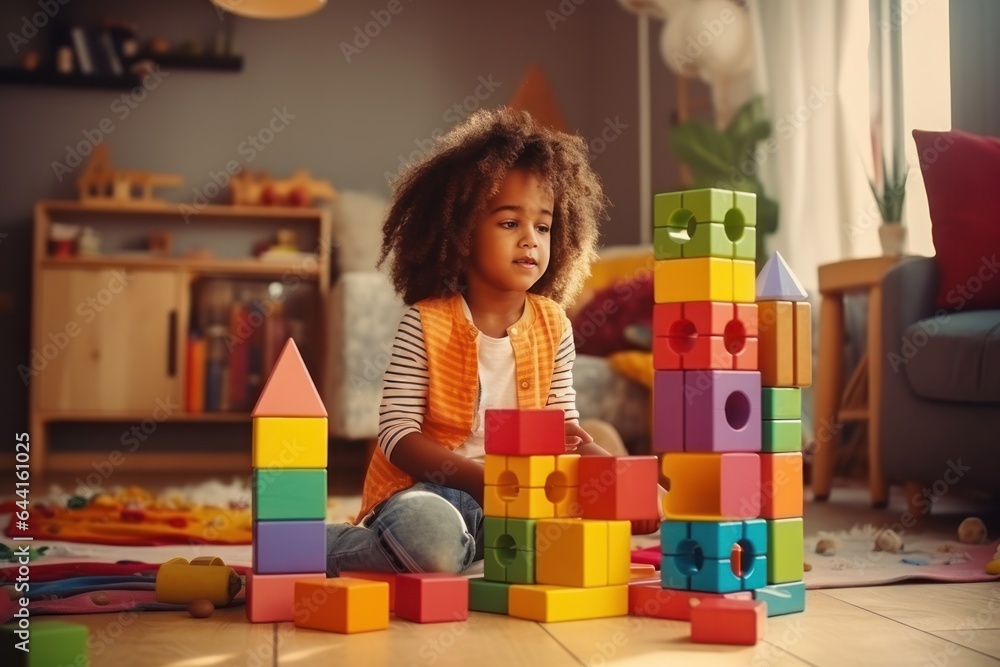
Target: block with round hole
(513,501)
(722,411)
(696,240)
(522,471)
(667,205)
(716,557)
(509,546)
(710,204)
(711,486)
(704,335)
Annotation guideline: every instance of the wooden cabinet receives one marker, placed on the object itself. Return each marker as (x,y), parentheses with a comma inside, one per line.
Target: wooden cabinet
(112,331)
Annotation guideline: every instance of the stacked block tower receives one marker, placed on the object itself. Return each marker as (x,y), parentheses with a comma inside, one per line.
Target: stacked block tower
(557,530)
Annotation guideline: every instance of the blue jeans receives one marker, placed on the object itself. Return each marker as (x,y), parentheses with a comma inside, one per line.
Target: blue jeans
(425,528)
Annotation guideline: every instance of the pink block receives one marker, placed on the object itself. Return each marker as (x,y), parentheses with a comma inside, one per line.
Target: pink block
(651,599)
(618,487)
(668,411)
(722,411)
(270,598)
(525,432)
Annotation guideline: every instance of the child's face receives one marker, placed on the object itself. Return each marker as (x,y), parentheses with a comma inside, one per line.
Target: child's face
(511,242)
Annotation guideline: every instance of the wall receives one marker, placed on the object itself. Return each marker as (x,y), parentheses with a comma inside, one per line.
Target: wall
(975,60)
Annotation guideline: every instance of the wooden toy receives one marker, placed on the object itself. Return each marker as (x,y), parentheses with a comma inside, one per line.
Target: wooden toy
(740,622)
(777,282)
(286,493)
(802,317)
(517,502)
(509,550)
(289,390)
(776,343)
(668,411)
(694,279)
(488,596)
(525,432)
(549,604)
(781,435)
(716,557)
(270,598)
(432,597)
(781,485)
(651,599)
(640,571)
(287,547)
(342,605)
(52,644)
(705,487)
(100,183)
(582,552)
(743,281)
(708,239)
(301,189)
(289,442)
(618,487)
(785,550)
(705,335)
(720,411)
(522,471)
(783,598)
(781,403)
(387,577)
(562,486)
(206,577)
(675,209)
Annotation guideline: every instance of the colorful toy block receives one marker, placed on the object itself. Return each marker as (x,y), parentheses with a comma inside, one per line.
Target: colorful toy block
(705,487)
(651,599)
(488,596)
(803,344)
(740,622)
(781,435)
(715,557)
(785,343)
(582,552)
(618,487)
(785,550)
(342,605)
(668,411)
(781,403)
(289,390)
(432,597)
(517,502)
(694,279)
(287,547)
(705,335)
(717,411)
(289,442)
(783,598)
(52,644)
(549,604)
(270,598)
(509,550)
(524,471)
(284,493)
(777,282)
(781,485)
(204,578)
(743,281)
(387,577)
(563,486)
(525,432)
(642,571)
(675,209)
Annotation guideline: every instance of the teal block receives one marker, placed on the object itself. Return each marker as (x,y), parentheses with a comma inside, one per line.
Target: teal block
(668,242)
(675,572)
(665,206)
(716,538)
(780,403)
(781,599)
(785,550)
(709,204)
(745,244)
(781,435)
(716,576)
(289,494)
(755,536)
(709,239)
(754,573)
(746,203)
(51,644)
(489,596)
(672,534)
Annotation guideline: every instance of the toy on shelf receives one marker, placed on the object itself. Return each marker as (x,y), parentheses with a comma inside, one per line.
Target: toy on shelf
(100,183)
(301,189)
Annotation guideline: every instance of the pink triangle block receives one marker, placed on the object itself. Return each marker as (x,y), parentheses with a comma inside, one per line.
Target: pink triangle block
(289,391)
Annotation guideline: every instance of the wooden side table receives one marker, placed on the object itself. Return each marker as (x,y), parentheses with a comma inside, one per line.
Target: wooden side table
(835,280)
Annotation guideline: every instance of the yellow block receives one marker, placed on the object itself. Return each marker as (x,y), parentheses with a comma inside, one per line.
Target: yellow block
(567,470)
(803,344)
(289,442)
(532,471)
(516,502)
(548,604)
(565,499)
(711,486)
(694,279)
(776,344)
(744,281)
(619,552)
(571,552)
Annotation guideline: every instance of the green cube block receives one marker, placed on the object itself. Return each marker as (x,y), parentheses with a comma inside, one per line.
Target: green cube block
(668,242)
(708,204)
(289,494)
(783,598)
(781,435)
(488,596)
(745,246)
(709,240)
(785,550)
(509,565)
(665,207)
(781,403)
(746,203)
(523,532)
(50,644)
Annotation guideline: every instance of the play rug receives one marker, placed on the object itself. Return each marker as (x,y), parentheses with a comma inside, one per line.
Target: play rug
(923,557)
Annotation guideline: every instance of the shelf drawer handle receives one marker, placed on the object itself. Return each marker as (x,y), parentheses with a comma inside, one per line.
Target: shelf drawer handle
(172,344)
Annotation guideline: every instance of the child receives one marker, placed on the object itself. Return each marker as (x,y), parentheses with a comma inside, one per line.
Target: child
(488,237)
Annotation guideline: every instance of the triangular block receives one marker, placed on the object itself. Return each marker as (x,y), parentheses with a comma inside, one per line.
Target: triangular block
(776,282)
(289,391)
(535,96)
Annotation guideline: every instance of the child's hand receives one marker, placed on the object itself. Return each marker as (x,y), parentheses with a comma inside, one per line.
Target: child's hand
(576,436)
(644,526)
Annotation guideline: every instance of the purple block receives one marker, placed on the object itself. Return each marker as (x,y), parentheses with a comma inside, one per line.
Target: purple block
(289,547)
(668,411)
(722,411)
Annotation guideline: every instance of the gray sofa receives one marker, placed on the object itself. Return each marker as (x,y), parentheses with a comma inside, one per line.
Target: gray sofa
(940,414)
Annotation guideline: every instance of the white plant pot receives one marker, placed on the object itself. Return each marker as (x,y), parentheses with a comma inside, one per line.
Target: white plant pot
(893,238)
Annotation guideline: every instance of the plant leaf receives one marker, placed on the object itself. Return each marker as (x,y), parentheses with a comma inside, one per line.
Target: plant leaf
(702,147)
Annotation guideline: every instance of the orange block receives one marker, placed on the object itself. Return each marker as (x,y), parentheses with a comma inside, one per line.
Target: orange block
(715,621)
(387,577)
(781,485)
(270,598)
(711,486)
(342,605)
(776,343)
(803,344)
(289,391)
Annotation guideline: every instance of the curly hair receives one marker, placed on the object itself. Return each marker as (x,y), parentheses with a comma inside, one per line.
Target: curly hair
(427,235)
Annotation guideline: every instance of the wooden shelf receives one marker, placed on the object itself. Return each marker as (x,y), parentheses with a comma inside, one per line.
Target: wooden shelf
(208,266)
(22,77)
(175,209)
(92,416)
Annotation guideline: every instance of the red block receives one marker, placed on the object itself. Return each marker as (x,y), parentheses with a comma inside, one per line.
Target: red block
(705,335)
(728,621)
(432,597)
(525,432)
(618,487)
(387,577)
(651,599)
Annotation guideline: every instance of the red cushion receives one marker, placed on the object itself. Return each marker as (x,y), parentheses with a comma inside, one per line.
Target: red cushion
(599,329)
(962,175)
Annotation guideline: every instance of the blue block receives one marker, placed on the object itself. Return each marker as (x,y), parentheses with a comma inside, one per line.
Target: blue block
(755,534)
(783,598)
(754,573)
(672,533)
(716,576)
(716,538)
(675,573)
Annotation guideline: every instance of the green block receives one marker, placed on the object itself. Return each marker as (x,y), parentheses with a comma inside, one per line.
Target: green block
(668,242)
(708,204)
(50,644)
(509,565)
(494,528)
(746,203)
(785,550)
(523,532)
(783,598)
(746,245)
(665,207)
(709,240)
(289,494)
(488,596)
(781,403)
(781,435)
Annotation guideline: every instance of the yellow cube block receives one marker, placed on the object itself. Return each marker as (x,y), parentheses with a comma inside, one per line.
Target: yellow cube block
(494,467)
(582,552)
(744,281)
(619,552)
(693,279)
(548,604)
(565,500)
(289,442)
(567,471)
(532,471)
(516,502)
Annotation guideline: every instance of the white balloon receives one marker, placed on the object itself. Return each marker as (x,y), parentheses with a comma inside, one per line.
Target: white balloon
(680,54)
(721,31)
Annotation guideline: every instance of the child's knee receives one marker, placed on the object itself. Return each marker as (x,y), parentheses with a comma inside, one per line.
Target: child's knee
(429,535)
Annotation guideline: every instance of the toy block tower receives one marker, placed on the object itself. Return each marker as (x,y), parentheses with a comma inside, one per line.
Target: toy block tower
(289,489)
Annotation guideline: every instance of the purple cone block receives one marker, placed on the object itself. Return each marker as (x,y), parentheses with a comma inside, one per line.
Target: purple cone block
(722,411)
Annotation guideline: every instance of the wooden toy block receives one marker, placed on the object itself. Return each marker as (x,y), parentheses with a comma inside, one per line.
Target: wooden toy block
(582,552)
(562,486)
(387,577)
(284,493)
(722,411)
(287,547)
(525,432)
(432,597)
(740,622)
(781,485)
(619,552)
(705,335)
(651,599)
(785,550)
(776,343)
(270,598)
(531,471)
(549,604)
(641,571)
(718,557)
(488,596)
(777,282)
(517,502)
(781,435)
(745,245)
(781,403)
(207,577)
(668,411)
(694,279)
(618,487)
(509,550)
(289,442)
(744,287)
(567,472)
(289,390)
(783,598)
(52,644)
(803,344)
(709,487)
(342,605)
(708,239)
(668,210)
(746,202)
